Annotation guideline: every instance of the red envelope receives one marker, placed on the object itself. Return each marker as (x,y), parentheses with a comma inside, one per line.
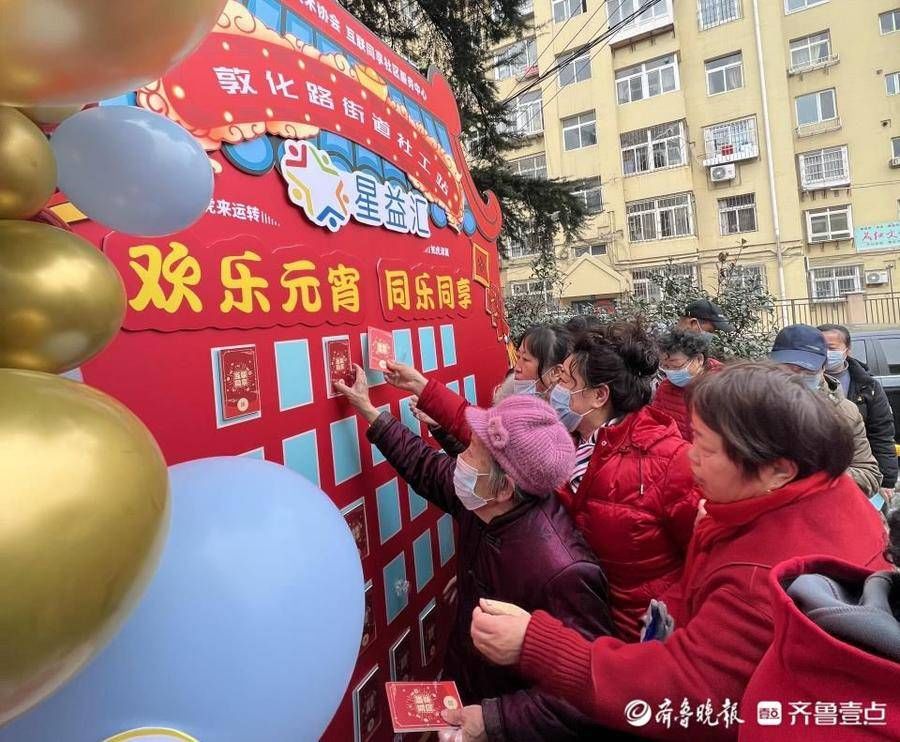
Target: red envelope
(240,384)
(340,365)
(416,707)
(381,348)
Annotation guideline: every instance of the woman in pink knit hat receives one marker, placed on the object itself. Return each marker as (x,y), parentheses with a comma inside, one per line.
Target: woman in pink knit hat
(516,544)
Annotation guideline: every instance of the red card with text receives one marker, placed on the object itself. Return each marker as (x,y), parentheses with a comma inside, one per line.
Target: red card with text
(381,348)
(340,366)
(240,385)
(416,707)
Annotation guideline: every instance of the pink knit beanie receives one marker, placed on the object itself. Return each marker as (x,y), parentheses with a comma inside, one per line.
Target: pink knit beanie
(526,439)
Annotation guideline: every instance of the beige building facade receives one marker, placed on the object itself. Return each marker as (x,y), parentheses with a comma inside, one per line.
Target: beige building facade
(765,129)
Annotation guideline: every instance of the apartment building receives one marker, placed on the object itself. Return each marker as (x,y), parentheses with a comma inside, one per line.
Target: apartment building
(765,129)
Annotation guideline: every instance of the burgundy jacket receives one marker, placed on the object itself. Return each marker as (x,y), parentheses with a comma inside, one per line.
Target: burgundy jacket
(671,400)
(531,556)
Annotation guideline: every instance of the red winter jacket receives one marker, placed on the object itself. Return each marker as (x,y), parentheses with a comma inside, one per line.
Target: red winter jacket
(671,400)
(447,409)
(807,669)
(636,507)
(724,625)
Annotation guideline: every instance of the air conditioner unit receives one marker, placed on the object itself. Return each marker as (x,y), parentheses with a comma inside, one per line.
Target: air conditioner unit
(721,173)
(876,278)
(895,162)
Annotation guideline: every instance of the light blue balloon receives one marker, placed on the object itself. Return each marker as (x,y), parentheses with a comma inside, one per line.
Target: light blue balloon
(249,631)
(132,170)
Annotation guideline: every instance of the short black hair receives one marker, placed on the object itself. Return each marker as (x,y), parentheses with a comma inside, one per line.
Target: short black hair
(623,357)
(583,323)
(549,343)
(765,413)
(691,344)
(845,333)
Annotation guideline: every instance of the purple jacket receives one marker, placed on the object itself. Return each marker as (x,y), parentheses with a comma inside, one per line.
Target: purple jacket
(531,556)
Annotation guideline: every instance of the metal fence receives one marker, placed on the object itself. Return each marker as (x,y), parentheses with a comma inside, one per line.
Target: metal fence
(881,311)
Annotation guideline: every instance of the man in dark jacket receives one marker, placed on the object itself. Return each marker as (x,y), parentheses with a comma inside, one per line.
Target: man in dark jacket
(516,544)
(865,391)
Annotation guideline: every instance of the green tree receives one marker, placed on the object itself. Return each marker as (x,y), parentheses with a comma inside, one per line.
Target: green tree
(455,36)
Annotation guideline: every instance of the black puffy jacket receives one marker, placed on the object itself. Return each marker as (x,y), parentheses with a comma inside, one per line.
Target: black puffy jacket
(869,397)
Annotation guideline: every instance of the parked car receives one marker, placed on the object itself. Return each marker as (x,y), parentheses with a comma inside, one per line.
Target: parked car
(880,351)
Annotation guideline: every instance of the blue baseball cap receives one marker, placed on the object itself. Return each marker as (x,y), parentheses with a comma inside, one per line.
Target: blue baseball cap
(800,345)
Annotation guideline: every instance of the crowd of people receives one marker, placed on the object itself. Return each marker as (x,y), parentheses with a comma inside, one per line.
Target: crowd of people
(655,544)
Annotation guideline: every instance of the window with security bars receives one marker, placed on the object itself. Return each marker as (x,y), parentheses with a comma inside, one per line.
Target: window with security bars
(731,141)
(529,288)
(527,247)
(661,218)
(590,192)
(525,114)
(644,281)
(516,60)
(832,283)
(647,80)
(574,67)
(829,224)
(810,51)
(724,74)
(580,131)
(747,277)
(716,12)
(824,168)
(737,214)
(565,9)
(654,148)
(534,166)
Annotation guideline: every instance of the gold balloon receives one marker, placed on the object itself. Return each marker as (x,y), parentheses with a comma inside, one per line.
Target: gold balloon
(27,166)
(50,114)
(85,503)
(61,52)
(61,300)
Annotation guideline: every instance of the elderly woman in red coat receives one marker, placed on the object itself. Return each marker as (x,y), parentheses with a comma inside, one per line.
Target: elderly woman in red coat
(770,456)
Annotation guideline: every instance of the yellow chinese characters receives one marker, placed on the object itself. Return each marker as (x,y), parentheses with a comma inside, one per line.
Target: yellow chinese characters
(464,293)
(445,292)
(237,277)
(344,283)
(302,286)
(424,292)
(397,283)
(178,269)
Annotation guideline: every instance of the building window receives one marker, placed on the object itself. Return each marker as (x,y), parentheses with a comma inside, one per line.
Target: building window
(654,148)
(517,60)
(526,248)
(574,67)
(824,168)
(828,224)
(831,283)
(892,83)
(815,108)
(730,141)
(737,214)
(646,80)
(590,193)
(619,10)
(580,131)
(594,250)
(890,21)
(747,277)
(526,8)
(565,9)
(810,51)
(534,166)
(895,148)
(724,74)
(792,6)
(645,287)
(526,116)
(529,288)
(716,12)
(660,218)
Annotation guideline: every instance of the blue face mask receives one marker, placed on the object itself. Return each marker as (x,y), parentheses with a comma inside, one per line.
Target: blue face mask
(679,377)
(813,381)
(525,386)
(835,360)
(561,401)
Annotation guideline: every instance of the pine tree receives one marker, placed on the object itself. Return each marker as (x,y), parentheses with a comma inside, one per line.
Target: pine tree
(455,36)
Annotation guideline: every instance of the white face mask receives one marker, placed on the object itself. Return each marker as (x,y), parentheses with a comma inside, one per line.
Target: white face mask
(465,477)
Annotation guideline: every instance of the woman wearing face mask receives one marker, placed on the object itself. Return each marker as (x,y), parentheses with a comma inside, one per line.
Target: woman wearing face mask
(516,543)
(770,459)
(683,357)
(631,491)
(541,351)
